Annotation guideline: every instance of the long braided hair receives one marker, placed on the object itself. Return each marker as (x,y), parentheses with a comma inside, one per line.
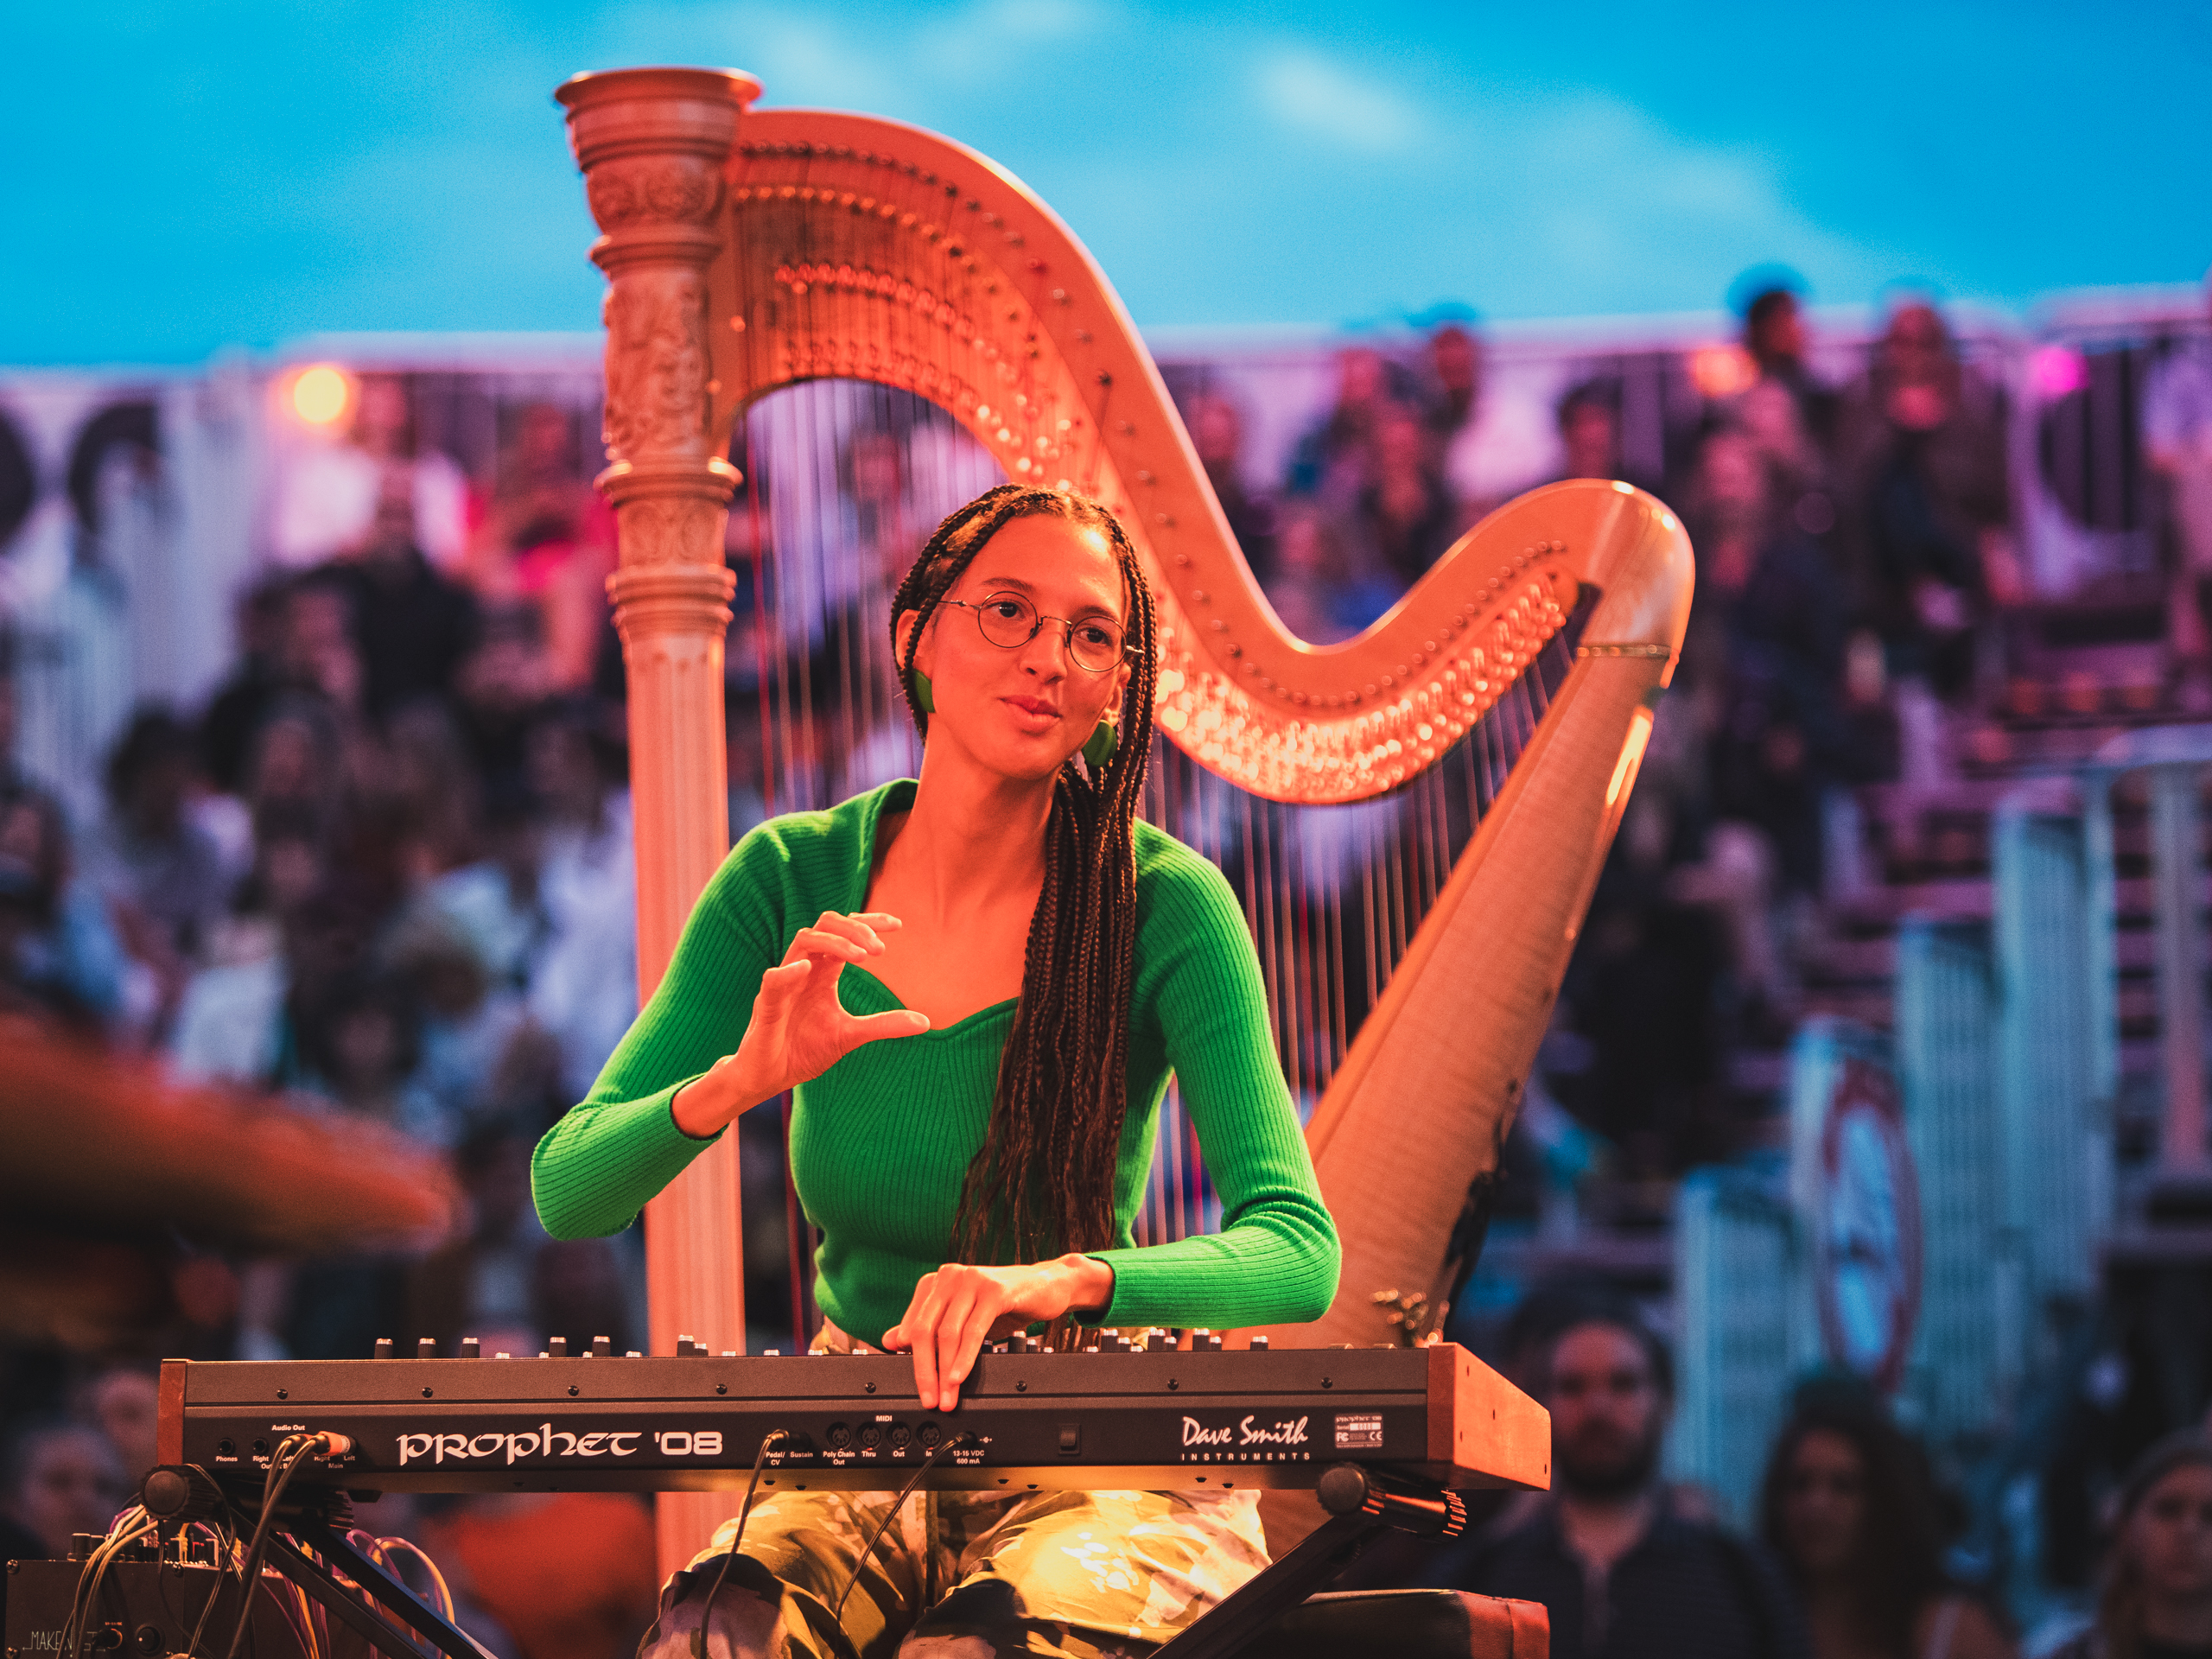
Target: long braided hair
(1042,1181)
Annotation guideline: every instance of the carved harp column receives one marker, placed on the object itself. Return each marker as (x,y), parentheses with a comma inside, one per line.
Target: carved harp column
(652,143)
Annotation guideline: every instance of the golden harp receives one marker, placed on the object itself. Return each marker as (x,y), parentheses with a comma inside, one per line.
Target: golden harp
(751,251)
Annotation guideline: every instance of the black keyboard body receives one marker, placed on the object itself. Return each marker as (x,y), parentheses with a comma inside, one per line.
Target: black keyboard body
(1158,1419)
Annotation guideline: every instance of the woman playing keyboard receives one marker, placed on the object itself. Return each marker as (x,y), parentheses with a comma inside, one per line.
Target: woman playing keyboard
(976,986)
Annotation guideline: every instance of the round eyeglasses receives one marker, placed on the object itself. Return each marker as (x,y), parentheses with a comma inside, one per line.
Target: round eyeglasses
(1010,621)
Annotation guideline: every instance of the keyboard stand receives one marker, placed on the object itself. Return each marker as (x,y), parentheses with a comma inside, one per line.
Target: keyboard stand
(382,1596)
(1360,1503)
(363,1594)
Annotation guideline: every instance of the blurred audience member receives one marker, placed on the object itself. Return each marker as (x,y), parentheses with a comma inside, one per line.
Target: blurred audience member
(320,652)
(1404,515)
(583,987)
(2177,443)
(430,790)
(481,1057)
(58,954)
(2156,1602)
(501,685)
(540,508)
(1310,563)
(360,1040)
(57,1479)
(166,881)
(1623,1570)
(12,776)
(230,1021)
(1789,416)
(125,1404)
(1849,1510)
(875,471)
(297,773)
(1772,623)
(1454,361)
(1496,439)
(1926,500)
(547,539)
(1321,590)
(1335,459)
(234,715)
(412,625)
(1647,991)
(496,903)
(1217,434)
(1774,335)
(327,491)
(1590,430)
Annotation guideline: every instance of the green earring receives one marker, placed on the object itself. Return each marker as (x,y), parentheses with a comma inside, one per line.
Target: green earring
(1096,753)
(1100,749)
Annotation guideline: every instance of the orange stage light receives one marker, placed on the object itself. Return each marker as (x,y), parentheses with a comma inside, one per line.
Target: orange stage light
(322,394)
(1722,371)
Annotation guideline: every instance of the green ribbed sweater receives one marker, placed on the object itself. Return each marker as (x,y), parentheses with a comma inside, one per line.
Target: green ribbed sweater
(880,1141)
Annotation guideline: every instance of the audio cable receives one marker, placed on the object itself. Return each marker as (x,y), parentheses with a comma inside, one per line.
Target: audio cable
(745,1512)
(291,1452)
(951,1442)
(127,1528)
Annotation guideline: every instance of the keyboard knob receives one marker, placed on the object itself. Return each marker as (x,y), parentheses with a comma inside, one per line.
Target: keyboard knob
(1259,1345)
(602,1347)
(384,1348)
(557,1348)
(471,1349)
(426,1348)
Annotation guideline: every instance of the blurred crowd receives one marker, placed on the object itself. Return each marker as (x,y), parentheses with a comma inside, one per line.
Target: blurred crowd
(1855,1545)
(386,869)
(1857,561)
(386,872)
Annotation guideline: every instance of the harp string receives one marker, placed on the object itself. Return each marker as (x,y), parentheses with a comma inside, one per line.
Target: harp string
(843,480)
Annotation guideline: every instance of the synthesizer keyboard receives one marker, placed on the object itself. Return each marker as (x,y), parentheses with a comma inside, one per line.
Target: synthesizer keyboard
(1149,1419)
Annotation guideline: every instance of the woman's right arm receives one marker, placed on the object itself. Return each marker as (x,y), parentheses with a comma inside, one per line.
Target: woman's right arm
(595,1168)
(735,1022)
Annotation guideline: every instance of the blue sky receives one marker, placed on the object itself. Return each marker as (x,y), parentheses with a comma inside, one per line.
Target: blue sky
(186,178)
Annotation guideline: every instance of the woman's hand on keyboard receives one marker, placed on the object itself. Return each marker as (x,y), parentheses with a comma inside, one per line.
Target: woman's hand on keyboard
(959,1308)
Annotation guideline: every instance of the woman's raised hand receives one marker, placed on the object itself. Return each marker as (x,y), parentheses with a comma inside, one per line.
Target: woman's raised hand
(799,1029)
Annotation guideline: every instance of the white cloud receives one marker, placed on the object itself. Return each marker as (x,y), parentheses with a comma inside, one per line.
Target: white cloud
(1526,200)
(1036,20)
(1612,193)
(802,61)
(1308,93)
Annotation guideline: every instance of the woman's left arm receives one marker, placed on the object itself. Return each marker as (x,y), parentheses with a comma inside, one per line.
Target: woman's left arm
(1275,1259)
